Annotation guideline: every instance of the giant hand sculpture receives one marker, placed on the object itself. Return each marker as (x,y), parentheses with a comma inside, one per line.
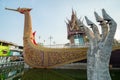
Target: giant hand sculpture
(100,46)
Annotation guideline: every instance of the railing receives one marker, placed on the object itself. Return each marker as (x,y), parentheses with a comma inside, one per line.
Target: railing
(66,46)
(72,46)
(10,64)
(10,70)
(4,59)
(73,66)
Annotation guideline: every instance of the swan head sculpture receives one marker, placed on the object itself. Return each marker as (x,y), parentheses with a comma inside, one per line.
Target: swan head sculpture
(21,10)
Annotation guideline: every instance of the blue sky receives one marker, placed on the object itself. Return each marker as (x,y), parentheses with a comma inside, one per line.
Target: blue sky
(49,16)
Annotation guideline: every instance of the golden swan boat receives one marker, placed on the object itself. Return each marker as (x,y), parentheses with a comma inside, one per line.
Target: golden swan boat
(37,56)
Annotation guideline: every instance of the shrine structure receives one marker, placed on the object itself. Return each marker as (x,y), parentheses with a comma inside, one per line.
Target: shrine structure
(76,34)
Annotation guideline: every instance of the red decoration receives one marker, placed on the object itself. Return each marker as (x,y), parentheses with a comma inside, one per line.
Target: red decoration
(34,38)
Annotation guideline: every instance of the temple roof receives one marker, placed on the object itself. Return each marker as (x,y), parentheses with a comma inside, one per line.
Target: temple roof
(73,25)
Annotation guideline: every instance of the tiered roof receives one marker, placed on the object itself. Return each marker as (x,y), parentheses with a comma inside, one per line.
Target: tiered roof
(73,25)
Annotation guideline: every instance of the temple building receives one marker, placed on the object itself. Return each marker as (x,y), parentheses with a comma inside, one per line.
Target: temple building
(76,34)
